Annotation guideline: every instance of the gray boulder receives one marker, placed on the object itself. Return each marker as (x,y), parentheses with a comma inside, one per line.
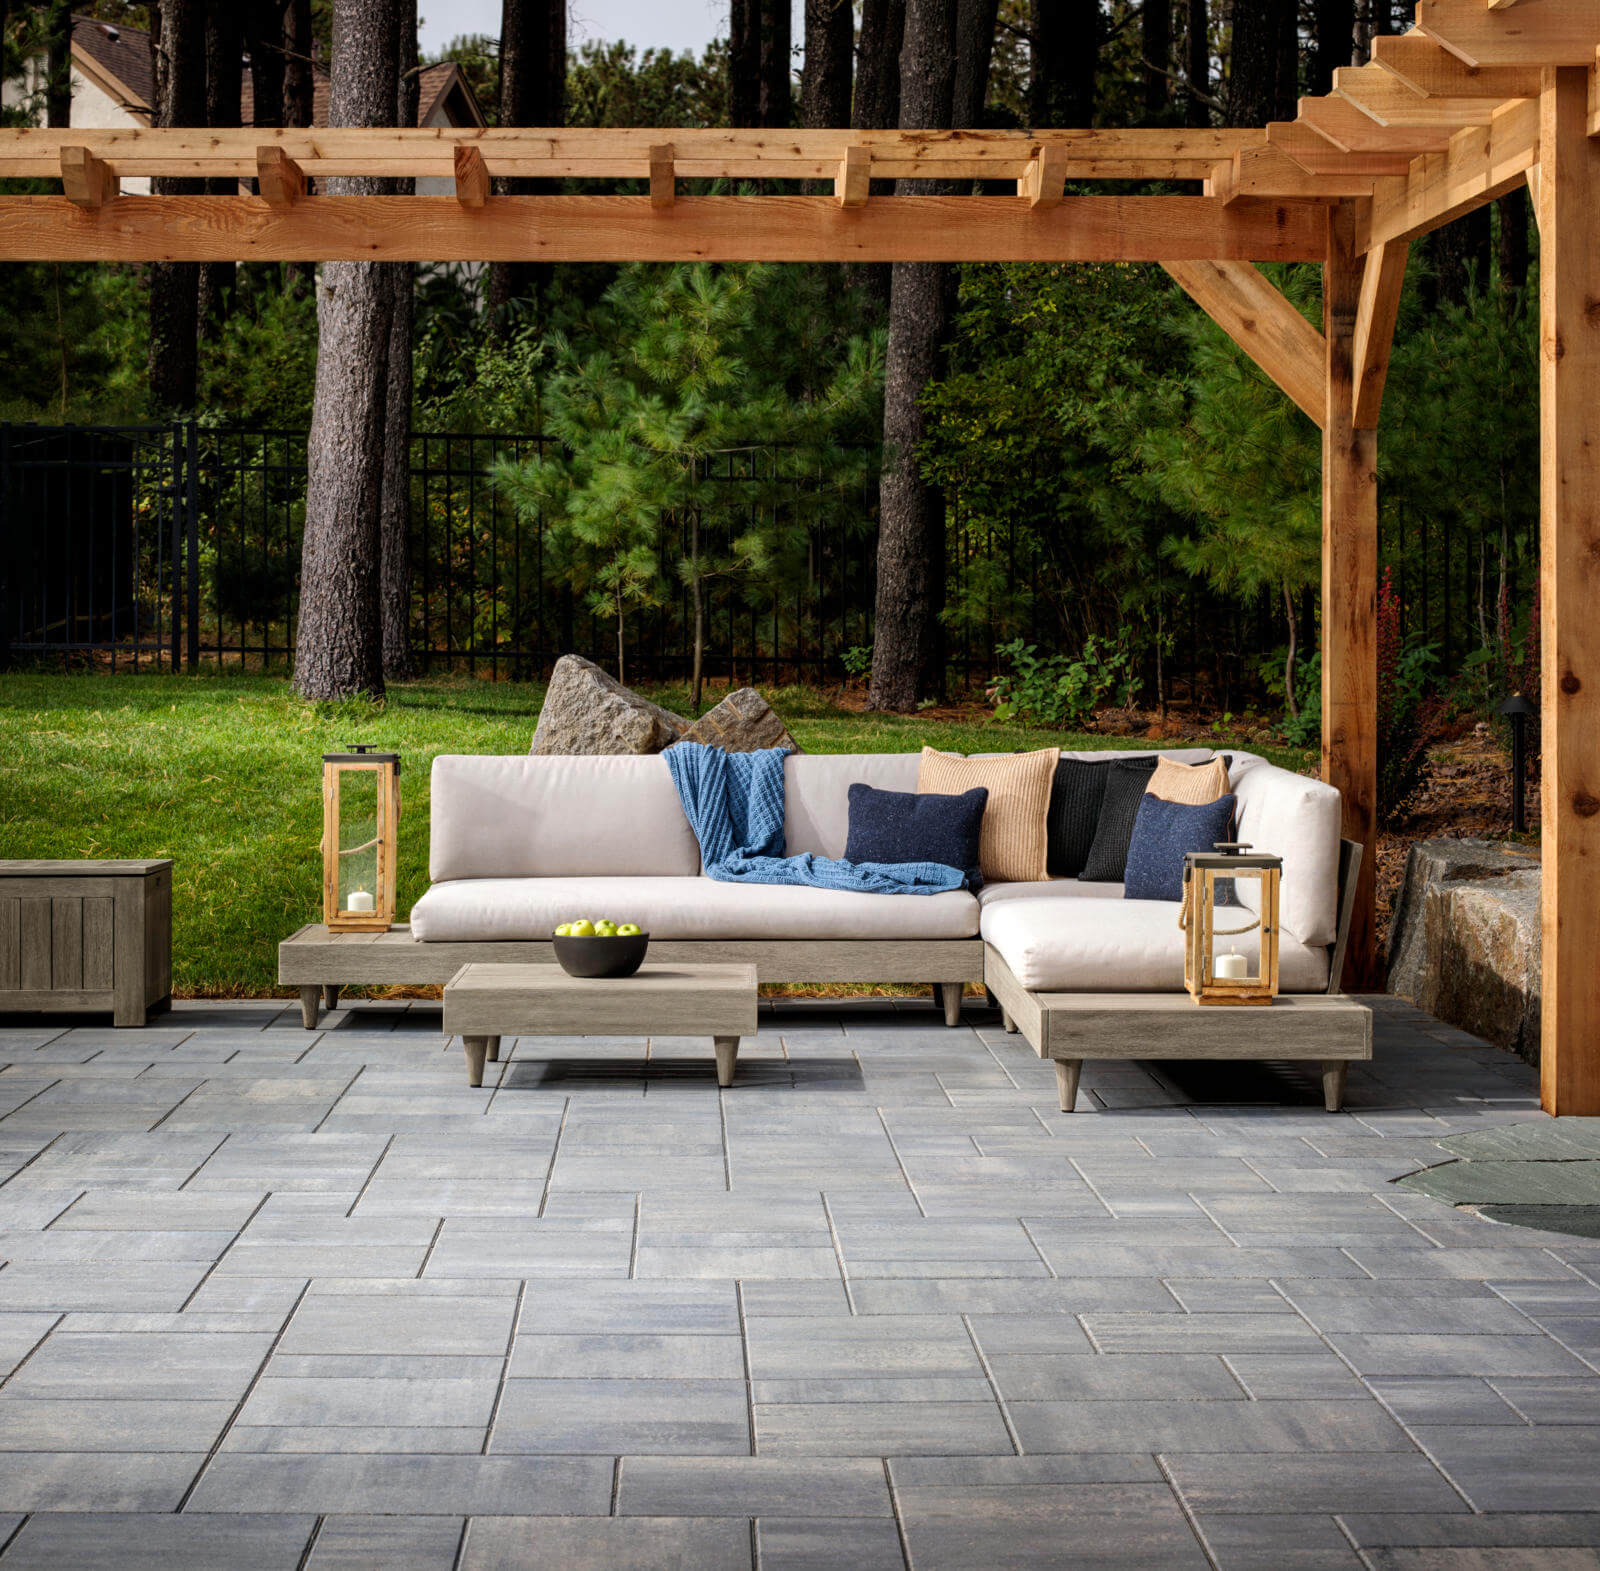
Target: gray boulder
(743,722)
(1465,942)
(588,711)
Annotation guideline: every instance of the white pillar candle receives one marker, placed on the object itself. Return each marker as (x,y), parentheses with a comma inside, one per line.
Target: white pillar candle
(1231,966)
(360,900)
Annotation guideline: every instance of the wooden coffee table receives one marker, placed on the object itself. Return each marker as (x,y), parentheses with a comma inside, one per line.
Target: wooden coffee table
(486,1001)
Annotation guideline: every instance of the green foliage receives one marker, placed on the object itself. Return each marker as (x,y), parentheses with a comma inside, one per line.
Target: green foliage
(681,371)
(1062,690)
(1407,716)
(1304,727)
(613,84)
(857,661)
(261,368)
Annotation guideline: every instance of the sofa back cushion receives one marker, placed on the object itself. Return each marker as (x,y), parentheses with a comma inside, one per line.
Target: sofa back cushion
(816,813)
(557,816)
(1296,818)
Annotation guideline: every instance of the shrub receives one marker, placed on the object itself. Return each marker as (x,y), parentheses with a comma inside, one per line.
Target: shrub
(1408,718)
(1063,691)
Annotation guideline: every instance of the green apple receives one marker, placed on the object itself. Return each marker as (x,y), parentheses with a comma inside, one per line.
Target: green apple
(605,929)
(584,929)
(564,931)
(629,930)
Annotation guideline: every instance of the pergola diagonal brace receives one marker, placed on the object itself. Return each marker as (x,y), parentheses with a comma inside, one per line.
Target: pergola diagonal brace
(1382,280)
(1245,304)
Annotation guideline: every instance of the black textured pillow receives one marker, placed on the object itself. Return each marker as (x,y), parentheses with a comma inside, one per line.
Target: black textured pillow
(1107,860)
(917,826)
(1076,796)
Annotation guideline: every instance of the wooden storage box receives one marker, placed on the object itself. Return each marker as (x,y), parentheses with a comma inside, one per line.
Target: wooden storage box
(86,936)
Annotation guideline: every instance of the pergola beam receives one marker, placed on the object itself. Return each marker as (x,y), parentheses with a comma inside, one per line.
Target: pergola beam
(1426,66)
(472,177)
(1383,280)
(86,181)
(1246,305)
(628,228)
(280,180)
(1536,32)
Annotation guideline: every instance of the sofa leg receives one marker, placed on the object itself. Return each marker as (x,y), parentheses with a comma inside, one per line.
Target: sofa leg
(727,1050)
(330,995)
(476,1047)
(1008,1022)
(1067,1070)
(310,997)
(494,1050)
(949,993)
(1333,1073)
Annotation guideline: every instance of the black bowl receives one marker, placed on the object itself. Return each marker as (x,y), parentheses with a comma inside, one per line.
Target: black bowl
(601,956)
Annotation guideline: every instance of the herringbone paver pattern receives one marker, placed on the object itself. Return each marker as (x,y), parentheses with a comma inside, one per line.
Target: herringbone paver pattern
(274,1299)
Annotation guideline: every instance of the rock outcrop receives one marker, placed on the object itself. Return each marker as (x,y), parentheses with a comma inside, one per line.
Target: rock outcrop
(1464,941)
(743,722)
(588,711)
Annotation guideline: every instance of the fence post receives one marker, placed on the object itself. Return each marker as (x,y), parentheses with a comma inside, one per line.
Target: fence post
(191,486)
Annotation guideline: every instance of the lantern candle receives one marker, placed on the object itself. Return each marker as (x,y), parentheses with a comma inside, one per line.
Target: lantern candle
(361,900)
(1230,966)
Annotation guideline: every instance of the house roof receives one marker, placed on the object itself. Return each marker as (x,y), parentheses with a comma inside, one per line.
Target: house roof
(119,58)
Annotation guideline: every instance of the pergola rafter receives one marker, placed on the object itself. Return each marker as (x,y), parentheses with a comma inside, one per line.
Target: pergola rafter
(1481,96)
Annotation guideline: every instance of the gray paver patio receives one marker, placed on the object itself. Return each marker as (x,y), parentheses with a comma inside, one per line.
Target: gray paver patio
(281,1298)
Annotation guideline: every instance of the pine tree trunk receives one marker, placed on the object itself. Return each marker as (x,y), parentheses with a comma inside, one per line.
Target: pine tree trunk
(1064,54)
(1196,105)
(180,91)
(698,587)
(905,612)
(395,578)
(224,86)
(975,25)
(1336,26)
(744,63)
(339,647)
(775,106)
(1155,41)
(299,85)
(533,84)
(1513,243)
(825,81)
(264,45)
(1255,59)
(58,63)
(1289,658)
(876,107)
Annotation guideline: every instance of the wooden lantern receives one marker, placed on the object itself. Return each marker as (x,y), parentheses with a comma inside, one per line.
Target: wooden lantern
(360,820)
(1225,976)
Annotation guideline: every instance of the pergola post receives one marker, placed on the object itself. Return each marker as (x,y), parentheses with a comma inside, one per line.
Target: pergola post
(1350,591)
(1569,579)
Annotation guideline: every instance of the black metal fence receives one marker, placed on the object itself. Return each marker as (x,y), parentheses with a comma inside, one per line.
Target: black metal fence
(167,546)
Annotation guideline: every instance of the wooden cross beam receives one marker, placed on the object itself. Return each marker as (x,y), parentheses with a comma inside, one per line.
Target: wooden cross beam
(86,181)
(663,181)
(853,184)
(1045,182)
(471,176)
(280,180)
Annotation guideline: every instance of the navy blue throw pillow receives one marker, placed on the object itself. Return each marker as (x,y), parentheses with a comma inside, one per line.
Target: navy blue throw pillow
(913,826)
(1163,833)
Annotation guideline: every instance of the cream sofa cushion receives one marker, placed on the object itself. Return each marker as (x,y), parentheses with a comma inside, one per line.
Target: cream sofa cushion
(488,909)
(1073,945)
(557,815)
(816,814)
(1296,818)
(1196,784)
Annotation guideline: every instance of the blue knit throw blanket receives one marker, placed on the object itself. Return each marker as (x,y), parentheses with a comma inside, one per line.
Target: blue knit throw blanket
(734,803)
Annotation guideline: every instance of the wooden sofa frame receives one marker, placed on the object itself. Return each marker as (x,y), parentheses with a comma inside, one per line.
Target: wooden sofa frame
(1056,1025)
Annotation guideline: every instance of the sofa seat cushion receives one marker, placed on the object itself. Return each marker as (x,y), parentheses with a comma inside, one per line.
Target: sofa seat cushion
(1048,889)
(489,909)
(1067,944)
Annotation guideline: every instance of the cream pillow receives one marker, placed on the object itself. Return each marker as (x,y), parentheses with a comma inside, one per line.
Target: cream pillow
(1012,843)
(1195,784)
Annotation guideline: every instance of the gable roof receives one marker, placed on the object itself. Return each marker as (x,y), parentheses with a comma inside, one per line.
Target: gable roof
(119,60)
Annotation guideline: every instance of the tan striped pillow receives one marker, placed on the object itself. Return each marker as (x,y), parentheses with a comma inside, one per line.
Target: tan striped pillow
(1196,784)
(1012,842)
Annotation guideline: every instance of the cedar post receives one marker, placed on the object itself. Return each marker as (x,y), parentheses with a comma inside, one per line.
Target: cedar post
(1350,593)
(1569,579)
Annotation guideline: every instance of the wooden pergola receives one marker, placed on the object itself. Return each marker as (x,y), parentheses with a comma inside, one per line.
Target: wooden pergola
(1480,96)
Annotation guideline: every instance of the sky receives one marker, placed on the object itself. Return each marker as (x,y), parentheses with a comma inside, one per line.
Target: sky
(658,24)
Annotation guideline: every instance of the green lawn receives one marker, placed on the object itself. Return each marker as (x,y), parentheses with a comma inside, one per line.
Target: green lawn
(223,774)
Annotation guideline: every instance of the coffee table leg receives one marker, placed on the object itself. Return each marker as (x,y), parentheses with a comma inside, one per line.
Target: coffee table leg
(494,1050)
(727,1048)
(476,1047)
(310,997)
(1333,1073)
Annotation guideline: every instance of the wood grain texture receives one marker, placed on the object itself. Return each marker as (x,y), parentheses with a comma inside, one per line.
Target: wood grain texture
(1569,578)
(279,179)
(509,999)
(628,228)
(66,943)
(313,956)
(1349,597)
(1535,32)
(1390,102)
(33,921)
(99,915)
(1253,312)
(1172,1026)
(663,181)
(471,177)
(10,944)
(1427,67)
(1382,282)
(86,181)
(1316,154)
